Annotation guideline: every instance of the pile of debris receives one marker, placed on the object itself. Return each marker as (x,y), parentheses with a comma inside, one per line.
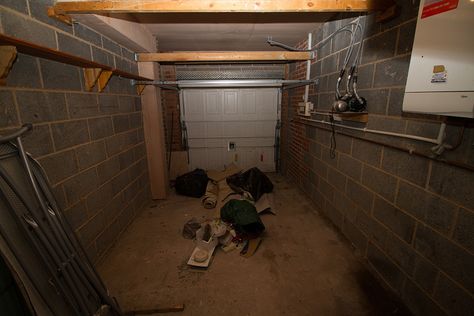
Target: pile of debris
(239,198)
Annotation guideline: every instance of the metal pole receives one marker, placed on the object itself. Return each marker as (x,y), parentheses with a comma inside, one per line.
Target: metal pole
(308,70)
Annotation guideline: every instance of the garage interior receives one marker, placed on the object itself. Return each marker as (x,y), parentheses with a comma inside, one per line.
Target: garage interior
(343,129)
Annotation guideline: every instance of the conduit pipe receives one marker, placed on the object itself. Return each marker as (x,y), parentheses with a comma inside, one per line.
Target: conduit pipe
(437,141)
(411,151)
(308,69)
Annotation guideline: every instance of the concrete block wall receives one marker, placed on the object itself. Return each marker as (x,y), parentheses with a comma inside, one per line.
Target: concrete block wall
(409,217)
(90,144)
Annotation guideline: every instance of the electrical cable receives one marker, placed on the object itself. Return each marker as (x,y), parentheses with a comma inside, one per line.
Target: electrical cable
(347,58)
(352,27)
(342,102)
(333,144)
(356,63)
(318,45)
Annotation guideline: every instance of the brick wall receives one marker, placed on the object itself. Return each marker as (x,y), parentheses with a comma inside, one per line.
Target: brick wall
(411,218)
(90,144)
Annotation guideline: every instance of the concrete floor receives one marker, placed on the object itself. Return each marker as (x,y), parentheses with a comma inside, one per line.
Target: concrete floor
(301,268)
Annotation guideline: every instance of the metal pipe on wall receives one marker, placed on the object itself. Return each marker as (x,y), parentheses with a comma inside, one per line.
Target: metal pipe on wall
(373,131)
(308,69)
(410,151)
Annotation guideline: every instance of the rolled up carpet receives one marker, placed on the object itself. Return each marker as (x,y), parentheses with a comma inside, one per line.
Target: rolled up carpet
(209,200)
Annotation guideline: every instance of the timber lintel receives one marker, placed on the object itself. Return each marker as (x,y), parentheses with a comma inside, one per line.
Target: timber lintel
(61,10)
(236,56)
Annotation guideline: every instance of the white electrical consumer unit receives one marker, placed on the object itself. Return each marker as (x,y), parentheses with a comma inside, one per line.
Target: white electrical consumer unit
(441,74)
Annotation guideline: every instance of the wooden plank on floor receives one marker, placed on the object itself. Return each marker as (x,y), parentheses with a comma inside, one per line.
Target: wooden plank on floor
(157,310)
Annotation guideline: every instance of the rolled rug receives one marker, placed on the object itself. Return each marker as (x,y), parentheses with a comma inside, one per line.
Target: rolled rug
(209,200)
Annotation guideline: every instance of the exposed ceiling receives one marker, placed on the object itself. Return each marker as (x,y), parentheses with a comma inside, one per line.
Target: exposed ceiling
(229,32)
(234,37)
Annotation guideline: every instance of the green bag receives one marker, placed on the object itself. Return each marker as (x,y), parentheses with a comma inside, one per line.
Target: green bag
(243,215)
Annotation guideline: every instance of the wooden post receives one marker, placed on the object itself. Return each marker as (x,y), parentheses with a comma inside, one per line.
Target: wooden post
(154,133)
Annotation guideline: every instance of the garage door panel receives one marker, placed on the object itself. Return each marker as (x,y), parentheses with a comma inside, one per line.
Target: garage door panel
(249,129)
(252,142)
(194,105)
(216,143)
(248,104)
(246,117)
(266,102)
(266,159)
(266,129)
(232,129)
(239,129)
(231,106)
(213,105)
(197,158)
(197,143)
(207,143)
(196,129)
(214,158)
(214,129)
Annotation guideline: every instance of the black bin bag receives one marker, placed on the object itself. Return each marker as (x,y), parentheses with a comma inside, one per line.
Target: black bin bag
(243,215)
(192,184)
(253,181)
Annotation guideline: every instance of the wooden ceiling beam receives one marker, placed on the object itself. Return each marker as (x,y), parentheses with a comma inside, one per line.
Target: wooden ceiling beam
(218,6)
(235,56)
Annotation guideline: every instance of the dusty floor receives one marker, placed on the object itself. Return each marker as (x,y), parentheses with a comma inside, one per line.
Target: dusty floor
(301,268)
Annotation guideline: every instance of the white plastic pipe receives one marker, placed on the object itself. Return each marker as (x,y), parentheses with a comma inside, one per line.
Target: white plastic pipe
(308,69)
(373,131)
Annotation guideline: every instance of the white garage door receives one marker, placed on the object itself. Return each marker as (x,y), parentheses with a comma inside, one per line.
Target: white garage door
(231,125)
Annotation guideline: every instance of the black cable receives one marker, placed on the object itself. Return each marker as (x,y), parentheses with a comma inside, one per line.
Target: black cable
(332,149)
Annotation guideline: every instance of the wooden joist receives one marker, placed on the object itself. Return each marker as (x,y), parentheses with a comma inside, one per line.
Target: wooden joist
(216,6)
(200,56)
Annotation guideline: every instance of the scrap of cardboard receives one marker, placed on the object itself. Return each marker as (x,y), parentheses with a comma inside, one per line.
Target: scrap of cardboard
(265,204)
(217,176)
